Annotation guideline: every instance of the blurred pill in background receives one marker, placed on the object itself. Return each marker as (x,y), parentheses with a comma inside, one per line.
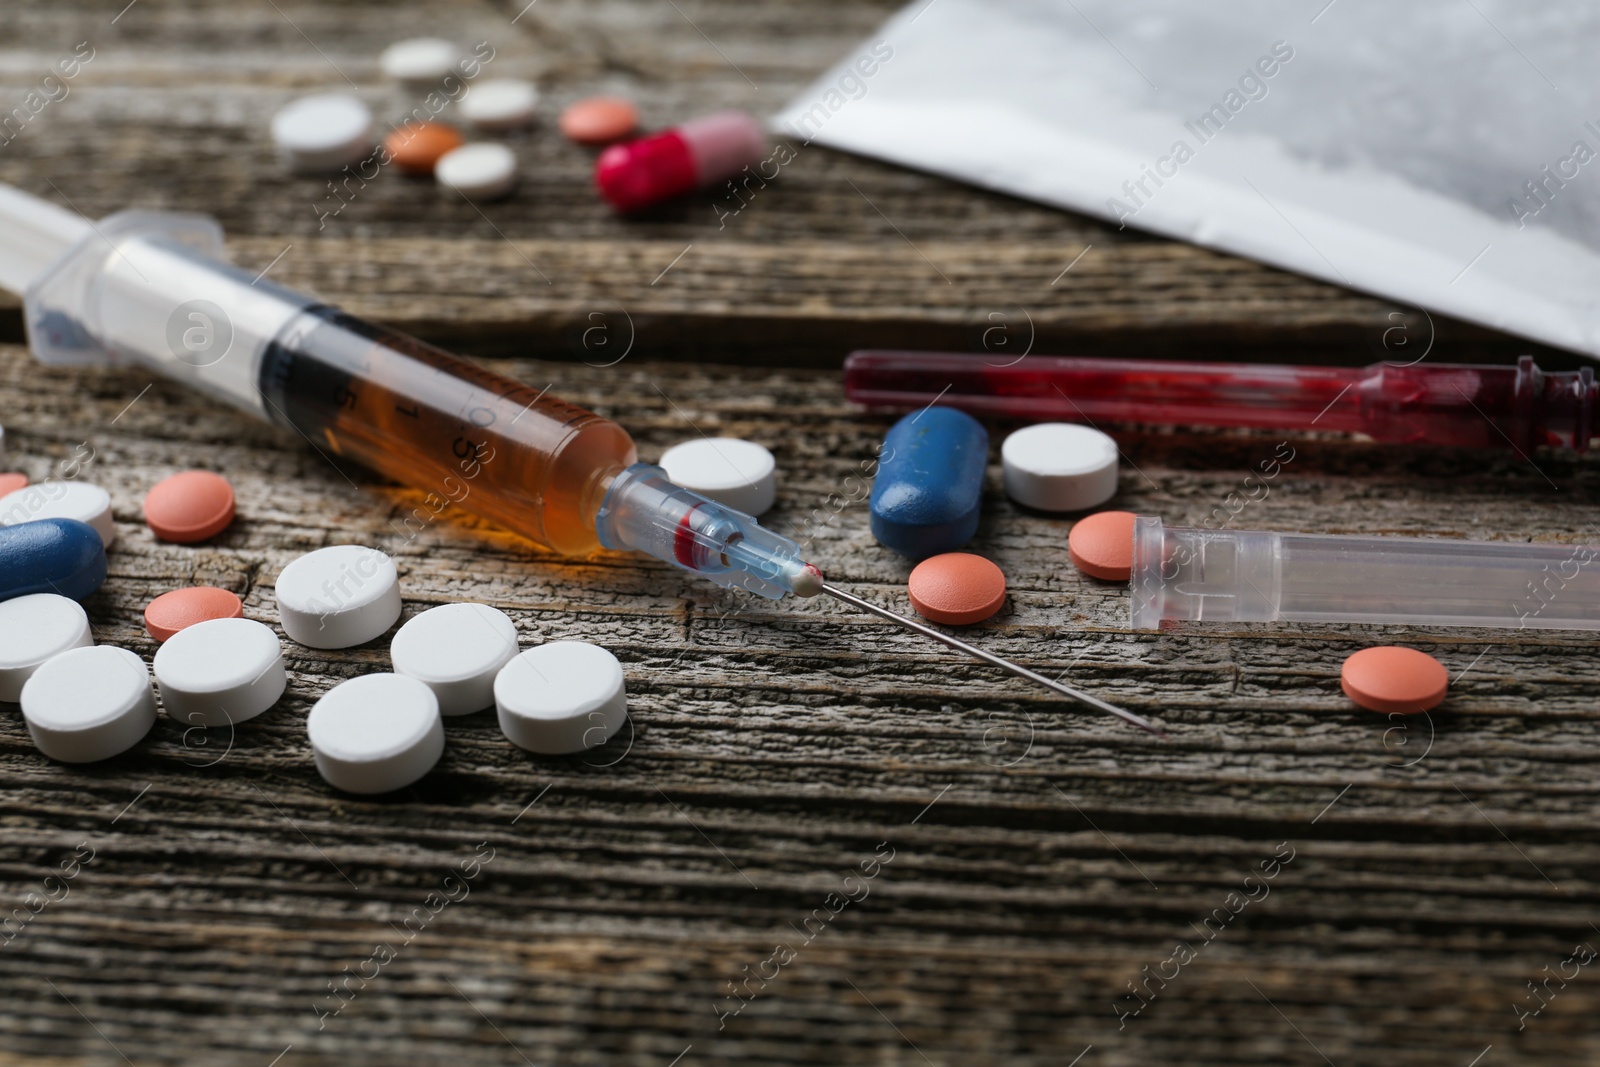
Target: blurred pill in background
(729,470)
(190,506)
(420,62)
(702,151)
(182,608)
(81,501)
(500,104)
(322,132)
(416,147)
(599,120)
(480,171)
(61,556)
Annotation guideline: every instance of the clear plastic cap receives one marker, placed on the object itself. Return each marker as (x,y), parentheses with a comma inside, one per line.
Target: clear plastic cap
(1188,574)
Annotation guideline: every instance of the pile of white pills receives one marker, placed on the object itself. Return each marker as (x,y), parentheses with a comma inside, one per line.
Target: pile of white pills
(376,733)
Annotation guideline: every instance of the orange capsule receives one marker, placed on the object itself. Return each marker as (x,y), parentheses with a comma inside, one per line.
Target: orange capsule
(182,608)
(1394,680)
(957,588)
(1101,545)
(599,120)
(417,146)
(189,507)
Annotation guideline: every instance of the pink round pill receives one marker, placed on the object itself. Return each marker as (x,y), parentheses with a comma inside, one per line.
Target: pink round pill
(599,120)
(957,588)
(189,507)
(1101,545)
(1394,680)
(11,481)
(182,608)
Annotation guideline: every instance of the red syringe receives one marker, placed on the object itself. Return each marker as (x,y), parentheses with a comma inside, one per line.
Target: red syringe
(1439,403)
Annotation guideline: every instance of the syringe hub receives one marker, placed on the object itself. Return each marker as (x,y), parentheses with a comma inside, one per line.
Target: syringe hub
(644,511)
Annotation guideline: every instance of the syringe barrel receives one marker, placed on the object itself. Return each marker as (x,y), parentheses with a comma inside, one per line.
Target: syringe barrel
(1194,574)
(464,435)
(154,289)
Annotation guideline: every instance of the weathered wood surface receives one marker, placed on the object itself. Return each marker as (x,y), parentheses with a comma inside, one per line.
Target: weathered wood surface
(1043,856)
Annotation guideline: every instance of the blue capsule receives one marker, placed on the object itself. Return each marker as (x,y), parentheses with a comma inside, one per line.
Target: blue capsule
(51,556)
(930,481)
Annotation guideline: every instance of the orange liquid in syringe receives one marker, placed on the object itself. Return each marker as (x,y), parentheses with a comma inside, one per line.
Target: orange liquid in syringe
(523,458)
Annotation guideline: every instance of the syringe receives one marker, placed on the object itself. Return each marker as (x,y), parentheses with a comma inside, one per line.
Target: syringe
(155,289)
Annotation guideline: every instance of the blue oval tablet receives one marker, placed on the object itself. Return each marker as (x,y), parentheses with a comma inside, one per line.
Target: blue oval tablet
(51,556)
(930,481)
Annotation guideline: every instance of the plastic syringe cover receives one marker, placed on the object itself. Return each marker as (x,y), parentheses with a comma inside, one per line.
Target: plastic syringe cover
(1184,573)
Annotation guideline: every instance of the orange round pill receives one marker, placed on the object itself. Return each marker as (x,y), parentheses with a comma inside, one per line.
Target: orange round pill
(1101,545)
(181,608)
(957,588)
(189,507)
(599,120)
(11,481)
(1394,680)
(417,146)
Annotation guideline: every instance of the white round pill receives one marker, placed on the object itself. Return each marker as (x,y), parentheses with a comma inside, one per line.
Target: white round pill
(421,62)
(456,649)
(500,104)
(323,132)
(34,629)
(740,474)
(220,672)
(561,697)
(376,733)
(89,704)
(61,500)
(337,597)
(480,171)
(1059,466)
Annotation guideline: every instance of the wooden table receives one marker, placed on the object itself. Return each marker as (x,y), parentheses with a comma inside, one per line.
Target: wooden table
(1029,859)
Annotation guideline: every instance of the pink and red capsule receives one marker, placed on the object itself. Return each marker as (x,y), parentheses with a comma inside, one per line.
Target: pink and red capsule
(664,165)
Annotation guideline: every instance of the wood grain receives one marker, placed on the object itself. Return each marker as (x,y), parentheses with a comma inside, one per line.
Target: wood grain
(1043,856)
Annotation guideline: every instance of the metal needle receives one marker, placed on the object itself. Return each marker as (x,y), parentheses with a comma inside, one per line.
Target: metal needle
(991,658)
